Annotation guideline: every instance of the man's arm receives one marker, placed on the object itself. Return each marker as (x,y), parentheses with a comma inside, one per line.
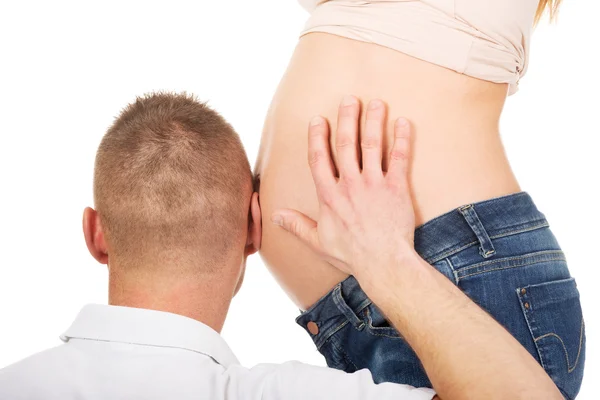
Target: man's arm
(365,228)
(465,352)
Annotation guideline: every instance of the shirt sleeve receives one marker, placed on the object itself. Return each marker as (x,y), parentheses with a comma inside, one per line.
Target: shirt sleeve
(298,381)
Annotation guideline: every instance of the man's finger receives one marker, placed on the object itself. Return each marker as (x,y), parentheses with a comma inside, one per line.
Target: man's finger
(400,153)
(298,225)
(319,155)
(372,137)
(347,137)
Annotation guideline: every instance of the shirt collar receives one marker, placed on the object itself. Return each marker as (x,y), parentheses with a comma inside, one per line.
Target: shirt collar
(150,328)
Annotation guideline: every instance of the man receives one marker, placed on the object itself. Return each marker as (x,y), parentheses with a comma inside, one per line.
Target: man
(176,218)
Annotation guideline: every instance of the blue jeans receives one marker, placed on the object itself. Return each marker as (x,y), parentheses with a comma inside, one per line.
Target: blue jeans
(502,255)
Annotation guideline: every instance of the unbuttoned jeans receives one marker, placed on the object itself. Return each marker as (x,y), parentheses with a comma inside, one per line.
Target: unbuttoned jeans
(502,254)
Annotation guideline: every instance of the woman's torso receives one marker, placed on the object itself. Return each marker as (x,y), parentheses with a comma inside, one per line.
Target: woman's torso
(458,155)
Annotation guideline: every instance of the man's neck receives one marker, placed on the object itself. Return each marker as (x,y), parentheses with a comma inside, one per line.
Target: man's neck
(202,299)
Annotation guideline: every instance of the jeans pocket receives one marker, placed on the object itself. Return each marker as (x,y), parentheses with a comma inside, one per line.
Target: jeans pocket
(378,325)
(555,320)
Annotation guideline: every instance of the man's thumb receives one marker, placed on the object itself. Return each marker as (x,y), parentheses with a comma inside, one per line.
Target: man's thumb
(298,225)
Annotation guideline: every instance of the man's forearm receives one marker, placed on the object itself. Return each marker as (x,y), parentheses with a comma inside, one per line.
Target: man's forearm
(461,347)
(366,216)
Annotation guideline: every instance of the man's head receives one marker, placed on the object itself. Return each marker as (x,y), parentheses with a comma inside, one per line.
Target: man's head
(172,190)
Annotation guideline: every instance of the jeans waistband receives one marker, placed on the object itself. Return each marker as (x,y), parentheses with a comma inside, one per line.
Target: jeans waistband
(471,224)
(477,223)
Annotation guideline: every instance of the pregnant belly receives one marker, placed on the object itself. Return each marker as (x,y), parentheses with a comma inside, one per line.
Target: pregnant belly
(458,155)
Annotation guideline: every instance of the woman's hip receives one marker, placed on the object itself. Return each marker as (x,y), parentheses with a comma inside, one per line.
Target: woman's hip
(502,254)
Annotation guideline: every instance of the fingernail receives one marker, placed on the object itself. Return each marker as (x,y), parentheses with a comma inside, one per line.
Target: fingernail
(277,220)
(374,104)
(348,100)
(316,121)
(401,122)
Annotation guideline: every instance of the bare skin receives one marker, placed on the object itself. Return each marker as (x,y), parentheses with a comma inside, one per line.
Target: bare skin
(201,296)
(365,228)
(152,284)
(458,154)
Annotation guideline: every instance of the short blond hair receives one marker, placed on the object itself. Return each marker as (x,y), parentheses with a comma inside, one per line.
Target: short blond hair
(172,180)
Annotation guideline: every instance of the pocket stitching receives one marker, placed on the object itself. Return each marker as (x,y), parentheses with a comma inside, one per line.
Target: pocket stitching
(530,319)
(330,334)
(552,334)
(375,331)
(528,322)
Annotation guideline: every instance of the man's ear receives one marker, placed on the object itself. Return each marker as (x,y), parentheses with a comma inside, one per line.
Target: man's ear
(254,226)
(94,235)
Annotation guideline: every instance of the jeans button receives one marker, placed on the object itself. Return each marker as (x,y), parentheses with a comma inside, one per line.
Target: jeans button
(312,328)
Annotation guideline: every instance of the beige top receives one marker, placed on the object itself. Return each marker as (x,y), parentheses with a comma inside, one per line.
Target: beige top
(485,39)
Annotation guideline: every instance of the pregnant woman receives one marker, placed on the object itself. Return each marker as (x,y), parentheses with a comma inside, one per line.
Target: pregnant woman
(447,66)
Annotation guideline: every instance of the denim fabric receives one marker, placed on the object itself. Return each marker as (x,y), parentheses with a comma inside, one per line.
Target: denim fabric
(502,254)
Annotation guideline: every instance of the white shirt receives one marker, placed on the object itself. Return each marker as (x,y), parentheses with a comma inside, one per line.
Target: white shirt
(127,353)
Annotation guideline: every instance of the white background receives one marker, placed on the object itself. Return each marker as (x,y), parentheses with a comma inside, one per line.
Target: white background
(68,67)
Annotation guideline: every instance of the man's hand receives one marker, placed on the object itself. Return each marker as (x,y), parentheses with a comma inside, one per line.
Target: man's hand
(366,218)
(365,228)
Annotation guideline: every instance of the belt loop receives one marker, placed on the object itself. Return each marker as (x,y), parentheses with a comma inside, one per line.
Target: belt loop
(486,248)
(341,304)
